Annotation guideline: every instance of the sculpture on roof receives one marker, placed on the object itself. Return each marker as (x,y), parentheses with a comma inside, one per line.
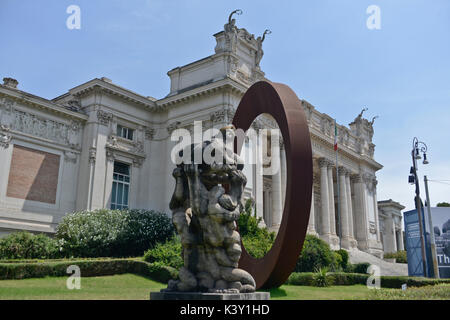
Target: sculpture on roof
(231,31)
(259,51)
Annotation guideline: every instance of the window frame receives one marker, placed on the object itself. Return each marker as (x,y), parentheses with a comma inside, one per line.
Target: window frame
(123,180)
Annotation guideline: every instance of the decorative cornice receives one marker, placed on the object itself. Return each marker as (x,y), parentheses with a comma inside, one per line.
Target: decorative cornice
(7,95)
(211,88)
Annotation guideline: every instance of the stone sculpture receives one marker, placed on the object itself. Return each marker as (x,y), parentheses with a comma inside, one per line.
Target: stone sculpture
(205,205)
(260,52)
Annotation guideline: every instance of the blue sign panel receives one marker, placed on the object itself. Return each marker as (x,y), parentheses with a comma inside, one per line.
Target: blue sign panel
(441,230)
(413,244)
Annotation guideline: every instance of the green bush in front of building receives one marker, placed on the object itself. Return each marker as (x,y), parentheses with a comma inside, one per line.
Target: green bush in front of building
(399,256)
(112,233)
(167,253)
(25,245)
(316,254)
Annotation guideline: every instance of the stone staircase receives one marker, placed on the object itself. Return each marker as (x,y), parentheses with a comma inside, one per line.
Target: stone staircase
(386,268)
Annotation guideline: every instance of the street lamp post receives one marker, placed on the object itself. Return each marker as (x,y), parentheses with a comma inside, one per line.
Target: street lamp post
(432,239)
(419,147)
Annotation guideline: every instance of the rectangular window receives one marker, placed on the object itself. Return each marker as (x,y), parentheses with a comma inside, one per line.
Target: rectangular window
(121,186)
(125,132)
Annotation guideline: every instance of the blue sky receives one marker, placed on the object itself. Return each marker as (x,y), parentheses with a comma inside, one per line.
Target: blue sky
(322,49)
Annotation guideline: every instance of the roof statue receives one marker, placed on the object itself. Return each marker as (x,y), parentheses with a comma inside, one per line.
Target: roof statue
(260,52)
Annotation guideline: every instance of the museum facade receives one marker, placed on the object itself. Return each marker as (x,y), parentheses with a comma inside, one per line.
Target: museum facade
(103,146)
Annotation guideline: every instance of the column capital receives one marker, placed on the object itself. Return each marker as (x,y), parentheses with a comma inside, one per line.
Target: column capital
(343,171)
(324,162)
(356,178)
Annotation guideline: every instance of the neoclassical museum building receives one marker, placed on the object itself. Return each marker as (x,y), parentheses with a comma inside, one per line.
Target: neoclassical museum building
(100,145)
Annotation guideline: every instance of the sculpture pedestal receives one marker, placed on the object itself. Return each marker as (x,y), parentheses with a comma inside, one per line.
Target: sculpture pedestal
(209,296)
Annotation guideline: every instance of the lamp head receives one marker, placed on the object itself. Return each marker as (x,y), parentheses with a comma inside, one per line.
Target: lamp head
(425,161)
(418,157)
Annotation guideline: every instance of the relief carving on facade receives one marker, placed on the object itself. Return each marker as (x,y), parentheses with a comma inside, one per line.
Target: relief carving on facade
(149,133)
(173,126)
(104,117)
(45,128)
(5,136)
(70,156)
(92,155)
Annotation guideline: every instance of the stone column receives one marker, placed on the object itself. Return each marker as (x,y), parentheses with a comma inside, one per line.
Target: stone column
(324,229)
(400,246)
(375,208)
(259,183)
(360,214)
(283,171)
(311,223)
(332,211)
(343,208)
(277,203)
(350,209)
(389,227)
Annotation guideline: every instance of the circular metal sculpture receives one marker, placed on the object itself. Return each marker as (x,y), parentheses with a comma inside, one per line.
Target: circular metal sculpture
(283,105)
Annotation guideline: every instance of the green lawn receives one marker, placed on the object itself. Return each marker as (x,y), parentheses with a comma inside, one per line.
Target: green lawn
(290,292)
(118,287)
(134,287)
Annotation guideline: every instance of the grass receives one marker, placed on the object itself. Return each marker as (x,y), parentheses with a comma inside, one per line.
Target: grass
(118,287)
(134,287)
(436,292)
(292,292)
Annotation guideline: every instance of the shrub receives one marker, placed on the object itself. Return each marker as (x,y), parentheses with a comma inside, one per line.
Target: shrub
(316,254)
(112,233)
(88,268)
(347,279)
(248,223)
(25,245)
(258,246)
(301,279)
(320,278)
(399,256)
(168,253)
(358,268)
(343,260)
(257,241)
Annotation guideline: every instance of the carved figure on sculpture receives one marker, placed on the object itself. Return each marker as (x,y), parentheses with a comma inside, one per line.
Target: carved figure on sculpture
(205,205)
(362,111)
(231,31)
(373,120)
(260,52)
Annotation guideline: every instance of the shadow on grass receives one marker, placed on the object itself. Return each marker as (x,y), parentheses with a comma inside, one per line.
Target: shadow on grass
(277,292)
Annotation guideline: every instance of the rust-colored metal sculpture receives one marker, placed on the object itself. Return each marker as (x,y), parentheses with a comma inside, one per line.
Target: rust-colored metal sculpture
(283,105)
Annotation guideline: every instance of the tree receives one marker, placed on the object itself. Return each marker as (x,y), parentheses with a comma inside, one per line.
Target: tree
(443,204)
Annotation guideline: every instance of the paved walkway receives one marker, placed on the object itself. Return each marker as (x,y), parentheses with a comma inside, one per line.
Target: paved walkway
(387,268)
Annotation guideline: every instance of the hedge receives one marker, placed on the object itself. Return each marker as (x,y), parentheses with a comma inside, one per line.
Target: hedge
(112,233)
(88,268)
(341,278)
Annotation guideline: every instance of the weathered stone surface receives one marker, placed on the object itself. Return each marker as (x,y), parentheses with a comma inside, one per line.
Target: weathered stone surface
(209,296)
(205,215)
